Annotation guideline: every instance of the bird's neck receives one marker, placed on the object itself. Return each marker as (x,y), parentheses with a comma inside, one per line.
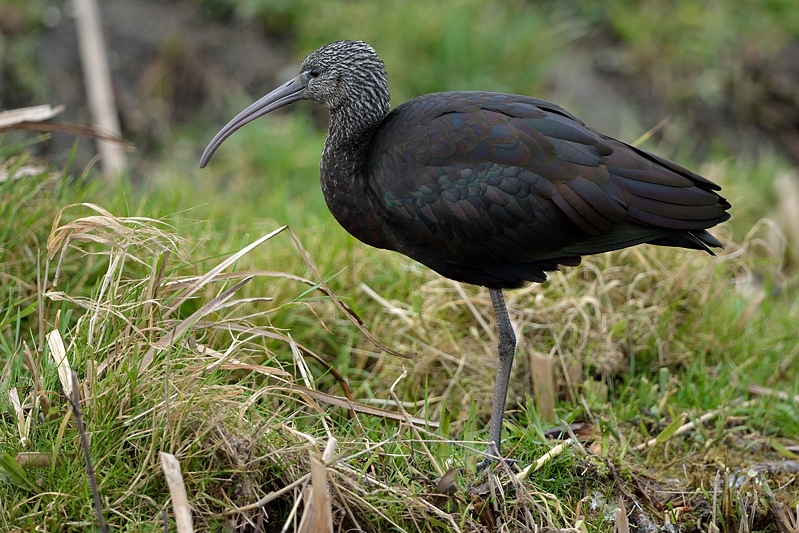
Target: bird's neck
(344,176)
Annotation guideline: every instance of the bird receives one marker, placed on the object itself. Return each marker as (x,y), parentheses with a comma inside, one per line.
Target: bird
(485,188)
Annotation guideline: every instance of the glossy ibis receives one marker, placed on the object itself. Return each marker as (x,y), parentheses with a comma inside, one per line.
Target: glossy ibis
(485,188)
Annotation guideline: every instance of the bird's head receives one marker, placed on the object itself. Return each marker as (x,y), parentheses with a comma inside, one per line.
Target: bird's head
(347,77)
(345,73)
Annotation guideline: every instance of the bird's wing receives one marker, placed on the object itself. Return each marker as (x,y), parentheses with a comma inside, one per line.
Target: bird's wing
(483,181)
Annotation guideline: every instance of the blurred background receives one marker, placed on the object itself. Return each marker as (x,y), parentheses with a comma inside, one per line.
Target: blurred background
(702,80)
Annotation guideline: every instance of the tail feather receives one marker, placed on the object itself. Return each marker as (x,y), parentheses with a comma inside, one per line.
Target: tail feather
(695,239)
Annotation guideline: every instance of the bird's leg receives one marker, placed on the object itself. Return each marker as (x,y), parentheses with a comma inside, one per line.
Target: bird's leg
(506,349)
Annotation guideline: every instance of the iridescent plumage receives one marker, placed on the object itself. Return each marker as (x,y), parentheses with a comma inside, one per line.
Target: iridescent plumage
(486,188)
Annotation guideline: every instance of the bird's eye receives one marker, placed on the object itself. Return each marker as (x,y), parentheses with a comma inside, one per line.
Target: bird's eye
(314,73)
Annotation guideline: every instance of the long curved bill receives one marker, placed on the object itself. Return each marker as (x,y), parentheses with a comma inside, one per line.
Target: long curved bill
(284,95)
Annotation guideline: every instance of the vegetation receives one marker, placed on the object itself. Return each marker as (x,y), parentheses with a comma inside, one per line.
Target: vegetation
(187,341)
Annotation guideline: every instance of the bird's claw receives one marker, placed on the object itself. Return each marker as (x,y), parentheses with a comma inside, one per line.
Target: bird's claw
(488,460)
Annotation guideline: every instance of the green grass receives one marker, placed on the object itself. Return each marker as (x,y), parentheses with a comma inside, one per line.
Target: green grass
(695,341)
(659,336)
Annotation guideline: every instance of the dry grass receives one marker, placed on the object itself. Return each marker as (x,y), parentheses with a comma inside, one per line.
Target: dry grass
(626,311)
(188,362)
(190,387)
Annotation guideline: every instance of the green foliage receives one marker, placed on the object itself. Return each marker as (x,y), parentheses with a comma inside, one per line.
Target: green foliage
(696,50)
(21,76)
(454,46)
(451,46)
(13,474)
(661,308)
(662,336)
(27,210)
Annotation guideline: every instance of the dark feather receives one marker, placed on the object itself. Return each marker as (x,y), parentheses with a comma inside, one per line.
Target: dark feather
(496,189)
(486,188)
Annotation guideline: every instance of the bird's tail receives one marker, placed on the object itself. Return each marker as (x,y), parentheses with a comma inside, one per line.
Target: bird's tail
(694,239)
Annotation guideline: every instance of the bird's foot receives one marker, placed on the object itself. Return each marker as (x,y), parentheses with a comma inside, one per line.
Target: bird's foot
(493,455)
(489,460)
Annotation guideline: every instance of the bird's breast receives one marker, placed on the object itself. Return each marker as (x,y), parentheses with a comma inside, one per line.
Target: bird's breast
(351,205)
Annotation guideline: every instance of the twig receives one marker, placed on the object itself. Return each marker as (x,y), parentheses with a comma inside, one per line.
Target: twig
(757,390)
(184,282)
(22,115)
(544,459)
(354,406)
(98,82)
(87,130)
(689,426)
(74,401)
(177,489)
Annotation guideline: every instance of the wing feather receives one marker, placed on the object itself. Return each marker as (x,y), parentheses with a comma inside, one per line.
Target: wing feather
(496,189)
